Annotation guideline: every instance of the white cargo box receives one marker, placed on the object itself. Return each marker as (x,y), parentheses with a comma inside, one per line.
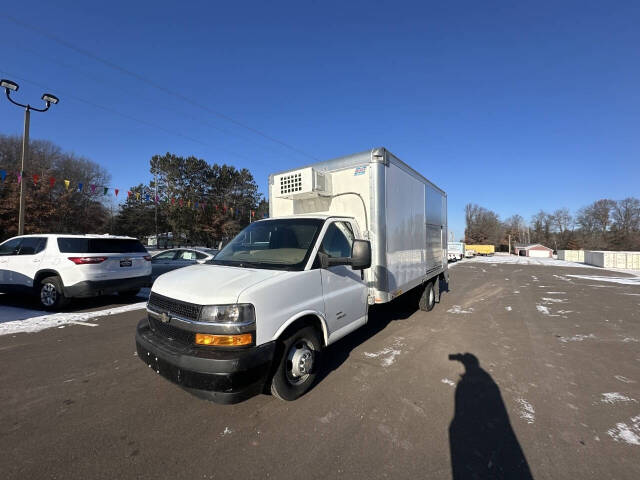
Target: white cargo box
(605,259)
(571,255)
(402,213)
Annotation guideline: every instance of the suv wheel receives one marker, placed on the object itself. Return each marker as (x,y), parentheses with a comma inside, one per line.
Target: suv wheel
(129,294)
(428,298)
(298,364)
(51,294)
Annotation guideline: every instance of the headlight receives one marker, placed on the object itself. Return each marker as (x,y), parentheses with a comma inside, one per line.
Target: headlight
(237,313)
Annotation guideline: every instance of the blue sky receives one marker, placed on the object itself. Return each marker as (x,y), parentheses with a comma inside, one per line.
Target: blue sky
(468,93)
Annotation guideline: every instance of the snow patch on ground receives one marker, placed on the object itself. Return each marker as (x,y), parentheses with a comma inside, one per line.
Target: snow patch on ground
(508,308)
(42,322)
(556,293)
(459,309)
(614,397)
(577,338)
(544,310)
(527,412)
(618,280)
(553,300)
(623,379)
(448,382)
(629,434)
(388,354)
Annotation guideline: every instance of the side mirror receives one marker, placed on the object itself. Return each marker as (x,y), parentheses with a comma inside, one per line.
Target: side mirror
(361,254)
(360,258)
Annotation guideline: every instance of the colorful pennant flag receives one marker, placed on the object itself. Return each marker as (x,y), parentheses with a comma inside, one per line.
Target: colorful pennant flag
(80,187)
(93,188)
(106,189)
(36,177)
(66,184)
(19,177)
(52,182)
(116,191)
(137,195)
(3,175)
(146,197)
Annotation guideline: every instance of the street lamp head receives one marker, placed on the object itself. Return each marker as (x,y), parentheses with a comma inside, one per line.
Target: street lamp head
(47,97)
(9,85)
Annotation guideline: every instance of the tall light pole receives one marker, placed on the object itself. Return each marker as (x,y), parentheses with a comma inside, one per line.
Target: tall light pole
(49,99)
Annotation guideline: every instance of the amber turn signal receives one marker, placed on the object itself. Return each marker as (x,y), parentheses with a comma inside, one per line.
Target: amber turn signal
(224,340)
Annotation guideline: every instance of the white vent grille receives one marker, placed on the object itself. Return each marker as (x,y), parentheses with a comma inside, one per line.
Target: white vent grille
(291,183)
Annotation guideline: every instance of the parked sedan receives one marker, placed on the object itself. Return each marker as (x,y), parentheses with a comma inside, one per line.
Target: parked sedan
(177,258)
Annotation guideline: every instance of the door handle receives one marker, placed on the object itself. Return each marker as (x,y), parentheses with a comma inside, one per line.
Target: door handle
(36,260)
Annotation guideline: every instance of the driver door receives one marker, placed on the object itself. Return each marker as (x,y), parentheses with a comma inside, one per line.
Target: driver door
(344,291)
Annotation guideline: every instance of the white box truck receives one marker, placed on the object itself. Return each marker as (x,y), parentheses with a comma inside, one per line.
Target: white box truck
(342,235)
(456,251)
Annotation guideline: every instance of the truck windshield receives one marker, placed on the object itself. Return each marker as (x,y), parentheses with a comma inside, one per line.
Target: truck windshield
(283,244)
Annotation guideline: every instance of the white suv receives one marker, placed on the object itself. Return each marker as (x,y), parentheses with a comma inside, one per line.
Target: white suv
(59,267)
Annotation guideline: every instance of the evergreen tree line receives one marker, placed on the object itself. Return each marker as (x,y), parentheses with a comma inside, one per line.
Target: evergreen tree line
(603,225)
(57,209)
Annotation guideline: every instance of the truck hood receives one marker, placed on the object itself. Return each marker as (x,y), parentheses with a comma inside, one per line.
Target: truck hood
(210,284)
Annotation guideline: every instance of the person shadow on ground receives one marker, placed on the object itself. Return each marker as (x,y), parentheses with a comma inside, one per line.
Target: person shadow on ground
(483,444)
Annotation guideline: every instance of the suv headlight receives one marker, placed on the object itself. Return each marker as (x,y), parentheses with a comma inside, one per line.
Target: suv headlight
(236,313)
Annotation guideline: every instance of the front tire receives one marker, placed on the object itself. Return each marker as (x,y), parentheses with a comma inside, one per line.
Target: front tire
(51,294)
(297,365)
(428,298)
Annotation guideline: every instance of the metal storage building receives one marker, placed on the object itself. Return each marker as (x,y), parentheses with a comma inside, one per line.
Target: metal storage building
(534,250)
(623,260)
(571,255)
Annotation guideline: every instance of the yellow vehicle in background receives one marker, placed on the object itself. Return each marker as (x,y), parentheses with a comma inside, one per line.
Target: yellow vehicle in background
(482,249)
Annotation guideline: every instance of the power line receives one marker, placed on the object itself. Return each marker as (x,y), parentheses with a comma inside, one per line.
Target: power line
(151,83)
(163,106)
(127,116)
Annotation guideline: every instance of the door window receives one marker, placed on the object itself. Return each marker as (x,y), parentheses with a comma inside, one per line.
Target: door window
(10,247)
(165,256)
(338,240)
(187,255)
(32,245)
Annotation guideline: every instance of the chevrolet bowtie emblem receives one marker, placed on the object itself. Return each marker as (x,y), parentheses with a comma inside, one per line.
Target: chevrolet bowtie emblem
(164,317)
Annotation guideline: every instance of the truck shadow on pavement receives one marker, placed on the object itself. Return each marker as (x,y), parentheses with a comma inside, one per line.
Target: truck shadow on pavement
(379,317)
(482,442)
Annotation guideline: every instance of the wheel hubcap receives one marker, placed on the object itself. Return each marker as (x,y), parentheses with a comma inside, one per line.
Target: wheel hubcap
(48,294)
(432,296)
(299,362)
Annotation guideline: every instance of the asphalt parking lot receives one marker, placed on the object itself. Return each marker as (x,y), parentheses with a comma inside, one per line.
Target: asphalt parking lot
(550,388)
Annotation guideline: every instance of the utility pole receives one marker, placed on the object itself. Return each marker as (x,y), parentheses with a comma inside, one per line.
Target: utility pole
(49,99)
(25,154)
(155,199)
(509,244)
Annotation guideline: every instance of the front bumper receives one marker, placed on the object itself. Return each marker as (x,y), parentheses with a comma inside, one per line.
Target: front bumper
(93,288)
(216,375)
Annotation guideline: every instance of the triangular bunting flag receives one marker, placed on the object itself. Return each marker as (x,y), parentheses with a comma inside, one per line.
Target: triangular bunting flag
(116,191)
(66,184)
(36,177)
(52,181)
(3,175)
(80,187)
(106,189)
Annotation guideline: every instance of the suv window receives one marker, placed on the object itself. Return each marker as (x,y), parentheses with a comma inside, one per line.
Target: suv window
(338,240)
(32,245)
(10,247)
(99,245)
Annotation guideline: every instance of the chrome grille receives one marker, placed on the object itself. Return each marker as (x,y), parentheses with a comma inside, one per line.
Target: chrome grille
(161,304)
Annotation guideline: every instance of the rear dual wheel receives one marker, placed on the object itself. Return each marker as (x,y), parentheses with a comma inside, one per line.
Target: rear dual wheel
(428,297)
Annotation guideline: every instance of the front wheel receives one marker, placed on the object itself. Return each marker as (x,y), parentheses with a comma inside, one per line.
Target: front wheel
(51,294)
(428,298)
(298,364)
